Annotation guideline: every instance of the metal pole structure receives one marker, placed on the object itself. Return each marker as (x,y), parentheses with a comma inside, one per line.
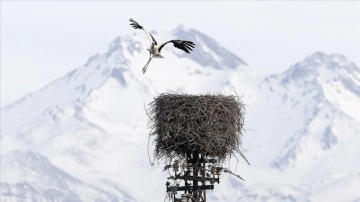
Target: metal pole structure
(194,175)
(203,175)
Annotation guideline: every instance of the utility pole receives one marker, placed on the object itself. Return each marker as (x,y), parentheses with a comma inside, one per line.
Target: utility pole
(198,175)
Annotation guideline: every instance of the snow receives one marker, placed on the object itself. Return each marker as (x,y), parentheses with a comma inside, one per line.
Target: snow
(32,177)
(90,127)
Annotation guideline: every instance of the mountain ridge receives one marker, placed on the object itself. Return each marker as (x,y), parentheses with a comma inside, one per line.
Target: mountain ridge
(315,117)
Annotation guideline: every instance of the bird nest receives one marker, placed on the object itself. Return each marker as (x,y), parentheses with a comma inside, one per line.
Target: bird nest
(210,125)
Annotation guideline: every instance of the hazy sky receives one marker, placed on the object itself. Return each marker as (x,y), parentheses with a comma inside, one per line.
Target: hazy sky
(43,40)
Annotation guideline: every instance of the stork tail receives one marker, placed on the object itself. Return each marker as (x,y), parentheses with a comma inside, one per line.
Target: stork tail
(158,56)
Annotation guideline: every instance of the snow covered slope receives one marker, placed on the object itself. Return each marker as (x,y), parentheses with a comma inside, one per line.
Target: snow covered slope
(321,96)
(29,176)
(307,126)
(89,127)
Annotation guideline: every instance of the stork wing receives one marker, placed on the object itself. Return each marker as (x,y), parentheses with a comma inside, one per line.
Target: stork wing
(153,39)
(136,25)
(186,46)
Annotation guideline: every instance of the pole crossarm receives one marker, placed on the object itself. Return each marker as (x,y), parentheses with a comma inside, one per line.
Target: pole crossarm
(190,188)
(197,178)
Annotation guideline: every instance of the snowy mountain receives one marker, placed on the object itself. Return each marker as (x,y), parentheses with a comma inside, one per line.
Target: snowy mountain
(31,177)
(310,125)
(84,137)
(322,95)
(92,123)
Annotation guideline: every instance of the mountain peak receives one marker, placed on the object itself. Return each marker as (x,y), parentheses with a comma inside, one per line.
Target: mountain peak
(320,67)
(330,60)
(208,52)
(320,77)
(180,28)
(318,54)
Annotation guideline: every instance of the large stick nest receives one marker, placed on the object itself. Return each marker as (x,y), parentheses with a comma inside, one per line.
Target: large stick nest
(210,125)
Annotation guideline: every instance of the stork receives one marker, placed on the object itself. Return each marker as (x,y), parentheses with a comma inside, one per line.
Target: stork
(155,50)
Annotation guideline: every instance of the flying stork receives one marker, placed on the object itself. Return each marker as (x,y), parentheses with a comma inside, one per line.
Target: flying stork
(155,50)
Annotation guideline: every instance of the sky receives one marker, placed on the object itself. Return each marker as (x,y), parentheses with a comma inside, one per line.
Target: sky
(44,40)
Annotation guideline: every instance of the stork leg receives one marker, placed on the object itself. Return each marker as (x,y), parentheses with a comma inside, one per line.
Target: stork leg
(147,64)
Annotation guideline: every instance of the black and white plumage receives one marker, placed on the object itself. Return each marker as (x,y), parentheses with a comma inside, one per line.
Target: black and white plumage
(155,49)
